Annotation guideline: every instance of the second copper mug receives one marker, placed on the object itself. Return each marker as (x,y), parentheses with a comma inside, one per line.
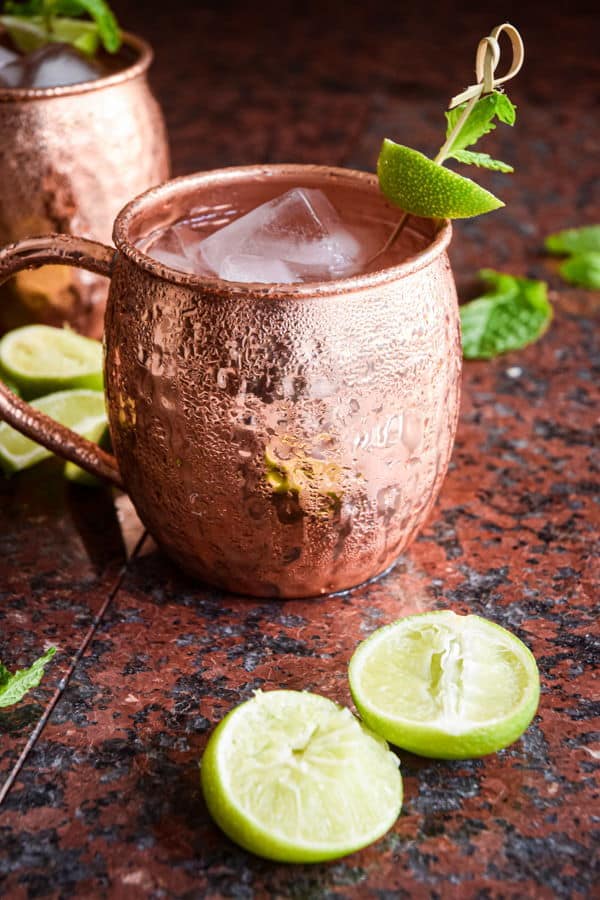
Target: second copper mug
(277,440)
(70,158)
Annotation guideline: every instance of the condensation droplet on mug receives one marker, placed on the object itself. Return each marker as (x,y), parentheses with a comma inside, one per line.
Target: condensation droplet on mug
(412,431)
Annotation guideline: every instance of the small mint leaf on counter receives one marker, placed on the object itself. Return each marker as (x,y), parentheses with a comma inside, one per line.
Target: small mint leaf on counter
(13,687)
(512,313)
(574,240)
(583,270)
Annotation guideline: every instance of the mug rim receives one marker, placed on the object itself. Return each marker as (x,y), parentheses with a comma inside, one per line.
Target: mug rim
(176,186)
(145,56)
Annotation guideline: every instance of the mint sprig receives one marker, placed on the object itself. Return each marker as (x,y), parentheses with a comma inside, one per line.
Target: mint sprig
(478,122)
(13,687)
(512,313)
(47,15)
(433,191)
(583,247)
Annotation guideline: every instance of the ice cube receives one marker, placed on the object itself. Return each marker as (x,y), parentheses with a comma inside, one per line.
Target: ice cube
(7,56)
(12,68)
(168,247)
(246,267)
(301,228)
(58,65)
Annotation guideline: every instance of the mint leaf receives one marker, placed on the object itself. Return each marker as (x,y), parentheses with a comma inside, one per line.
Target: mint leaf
(505,110)
(14,687)
(484,160)
(48,14)
(480,120)
(574,240)
(583,269)
(100,12)
(512,313)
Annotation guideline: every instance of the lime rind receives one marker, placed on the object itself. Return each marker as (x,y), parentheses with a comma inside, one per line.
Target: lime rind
(421,187)
(469,692)
(41,359)
(293,777)
(81,410)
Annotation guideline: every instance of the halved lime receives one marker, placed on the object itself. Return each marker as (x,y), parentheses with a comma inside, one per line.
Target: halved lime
(443,685)
(40,359)
(76,474)
(81,410)
(420,186)
(29,33)
(294,777)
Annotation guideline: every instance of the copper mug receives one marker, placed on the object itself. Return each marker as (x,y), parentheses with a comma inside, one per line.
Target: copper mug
(277,440)
(70,158)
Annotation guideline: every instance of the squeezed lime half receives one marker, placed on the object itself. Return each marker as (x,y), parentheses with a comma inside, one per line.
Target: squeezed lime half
(443,685)
(40,360)
(81,410)
(294,777)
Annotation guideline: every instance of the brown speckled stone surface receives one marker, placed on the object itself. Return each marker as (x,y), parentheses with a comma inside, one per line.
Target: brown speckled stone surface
(107,802)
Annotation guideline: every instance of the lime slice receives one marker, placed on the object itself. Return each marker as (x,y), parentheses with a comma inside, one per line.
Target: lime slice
(30,33)
(40,359)
(418,185)
(444,685)
(293,777)
(81,410)
(77,475)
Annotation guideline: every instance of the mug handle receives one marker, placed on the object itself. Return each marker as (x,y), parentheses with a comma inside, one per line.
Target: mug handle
(31,253)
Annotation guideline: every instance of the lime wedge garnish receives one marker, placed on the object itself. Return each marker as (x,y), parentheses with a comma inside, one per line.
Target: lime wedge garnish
(30,33)
(418,185)
(444,685)
(81,410)
(40,359)
(293,777)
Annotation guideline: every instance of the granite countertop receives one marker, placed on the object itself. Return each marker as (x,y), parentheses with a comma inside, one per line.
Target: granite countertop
(102,758)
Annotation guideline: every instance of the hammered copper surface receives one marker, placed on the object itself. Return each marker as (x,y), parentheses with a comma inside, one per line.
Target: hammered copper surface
(70,158)
(353,382)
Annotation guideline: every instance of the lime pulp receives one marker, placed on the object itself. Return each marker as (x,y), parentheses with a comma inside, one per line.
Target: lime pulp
(292,776)
(443,685)
(40,359)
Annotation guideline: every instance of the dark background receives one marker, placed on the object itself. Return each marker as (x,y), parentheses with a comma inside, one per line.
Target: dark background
(248,82)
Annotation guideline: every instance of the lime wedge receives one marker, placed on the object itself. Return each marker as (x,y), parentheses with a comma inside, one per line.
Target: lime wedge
(40,359)
(293,777)
(77,475)
(81,410)
(444,685)
(418,185)
(30,33)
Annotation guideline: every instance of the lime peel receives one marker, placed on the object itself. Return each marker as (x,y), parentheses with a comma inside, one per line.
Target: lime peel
(421,187)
